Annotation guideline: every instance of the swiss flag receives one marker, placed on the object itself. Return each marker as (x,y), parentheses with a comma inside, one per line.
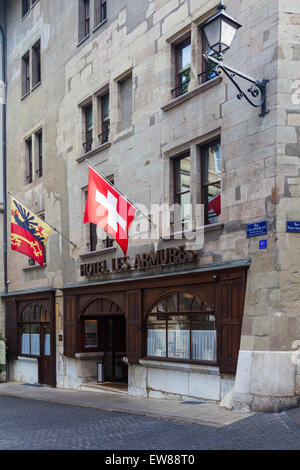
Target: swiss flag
(108,208)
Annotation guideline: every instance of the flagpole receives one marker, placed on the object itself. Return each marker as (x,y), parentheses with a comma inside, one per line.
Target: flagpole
(53,228)
(109,182)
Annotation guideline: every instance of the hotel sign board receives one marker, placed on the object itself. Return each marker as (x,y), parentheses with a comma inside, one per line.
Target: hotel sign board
(142,261)
(257,229)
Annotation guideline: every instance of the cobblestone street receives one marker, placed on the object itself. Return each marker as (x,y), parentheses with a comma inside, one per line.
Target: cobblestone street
(36,425)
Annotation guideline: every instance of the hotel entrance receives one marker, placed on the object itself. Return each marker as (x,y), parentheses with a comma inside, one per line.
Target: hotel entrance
(114,348)
(103,331)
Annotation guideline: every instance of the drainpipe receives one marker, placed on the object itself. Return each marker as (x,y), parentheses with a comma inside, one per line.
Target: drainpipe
(3,115)
(3,196)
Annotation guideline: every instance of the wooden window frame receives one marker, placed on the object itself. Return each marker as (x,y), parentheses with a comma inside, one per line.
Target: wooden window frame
(178,73)
(204,185)
(39,136)
(204,75)
(87,18)
(82,347)
(189,315)
(36,64)
(26,73)
(25,7)
(88,132)
(100,8)
(29,176)
(19,333)
(105,122)
(93,240)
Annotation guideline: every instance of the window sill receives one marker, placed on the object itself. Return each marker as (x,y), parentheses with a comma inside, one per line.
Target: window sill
(26,94)
(36,86)
(99,25)
(190,94)
(25,16)
(33,5)
(32,268)
(27,358)
(83,40)
(89,355)
(104,251)
(123,134)
(92,152)
(211,369)
(206,228)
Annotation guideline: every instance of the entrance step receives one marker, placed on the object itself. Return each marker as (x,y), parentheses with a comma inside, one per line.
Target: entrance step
(105,387)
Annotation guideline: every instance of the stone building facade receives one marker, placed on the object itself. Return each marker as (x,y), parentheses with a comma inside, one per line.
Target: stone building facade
(102,81)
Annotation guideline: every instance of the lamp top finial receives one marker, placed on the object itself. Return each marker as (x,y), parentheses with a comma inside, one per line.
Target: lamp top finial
(222,6)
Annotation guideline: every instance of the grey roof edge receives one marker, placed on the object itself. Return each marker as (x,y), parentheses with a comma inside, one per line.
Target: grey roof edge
(35,290)
(199,269)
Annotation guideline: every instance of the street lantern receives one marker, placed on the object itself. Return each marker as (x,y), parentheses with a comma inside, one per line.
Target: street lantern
(220,31)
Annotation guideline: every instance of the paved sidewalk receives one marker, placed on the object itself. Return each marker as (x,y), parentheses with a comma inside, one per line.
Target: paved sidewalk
(198,411)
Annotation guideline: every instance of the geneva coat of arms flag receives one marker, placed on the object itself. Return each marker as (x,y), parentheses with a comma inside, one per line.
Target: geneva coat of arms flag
(106,207)
(29,233)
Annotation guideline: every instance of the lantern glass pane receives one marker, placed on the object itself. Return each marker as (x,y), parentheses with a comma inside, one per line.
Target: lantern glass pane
(228,33)
(212,32)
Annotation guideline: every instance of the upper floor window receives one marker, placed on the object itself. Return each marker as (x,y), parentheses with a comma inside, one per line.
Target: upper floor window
(31,68)
(36,63)
(25,74)
(183,67)
(208,68)
(88,117)
(100,11)
(29,160)
(84,18)
(182,185)
(105,121)
(211,181)
(39,162)
(125,93)
(25,7)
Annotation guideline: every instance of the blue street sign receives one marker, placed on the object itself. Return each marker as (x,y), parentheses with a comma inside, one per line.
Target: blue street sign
(293,226)
(263,244)
(257,229)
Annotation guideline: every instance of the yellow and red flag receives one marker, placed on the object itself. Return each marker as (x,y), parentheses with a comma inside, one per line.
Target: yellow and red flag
(29,233)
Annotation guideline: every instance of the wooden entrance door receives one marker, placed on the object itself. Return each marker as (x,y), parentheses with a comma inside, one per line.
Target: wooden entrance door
(114,342)
(36,326)
(46,366)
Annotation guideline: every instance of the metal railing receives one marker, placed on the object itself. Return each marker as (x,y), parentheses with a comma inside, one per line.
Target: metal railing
(103,138)
(180,90)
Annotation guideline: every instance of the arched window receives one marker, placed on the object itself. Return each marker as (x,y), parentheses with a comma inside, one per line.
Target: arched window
(182,327)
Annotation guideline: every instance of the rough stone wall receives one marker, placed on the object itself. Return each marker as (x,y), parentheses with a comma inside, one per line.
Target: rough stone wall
(260,157)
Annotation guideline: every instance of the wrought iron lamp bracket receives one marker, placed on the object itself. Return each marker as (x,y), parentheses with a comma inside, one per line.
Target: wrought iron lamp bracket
(257,88)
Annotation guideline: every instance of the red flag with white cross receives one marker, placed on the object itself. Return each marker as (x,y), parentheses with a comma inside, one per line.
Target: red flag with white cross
(106,207)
